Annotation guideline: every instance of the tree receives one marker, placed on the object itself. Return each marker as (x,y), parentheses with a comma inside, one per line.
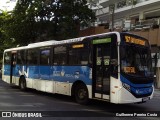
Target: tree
(22,27)
(40,20)
(5,41)
(72,14)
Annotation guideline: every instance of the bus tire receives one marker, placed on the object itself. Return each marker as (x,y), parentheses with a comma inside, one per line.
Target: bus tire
(81,94)
(22,83)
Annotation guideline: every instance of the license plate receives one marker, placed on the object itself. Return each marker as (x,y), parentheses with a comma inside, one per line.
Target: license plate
(145,99)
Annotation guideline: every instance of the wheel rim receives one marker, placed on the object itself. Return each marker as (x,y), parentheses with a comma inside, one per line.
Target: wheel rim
(82,93)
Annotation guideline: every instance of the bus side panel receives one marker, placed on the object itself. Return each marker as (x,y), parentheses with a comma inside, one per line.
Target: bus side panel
(45,72)
(33,74)
(17,72)
(71,74)
(45,83)
(6,73)
(55,79)
(115,90)
(65,76)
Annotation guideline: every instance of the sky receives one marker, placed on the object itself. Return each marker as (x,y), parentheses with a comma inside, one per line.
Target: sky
(7,4)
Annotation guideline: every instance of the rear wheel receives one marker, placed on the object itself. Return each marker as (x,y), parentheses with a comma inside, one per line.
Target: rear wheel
(22,83)
(81,94)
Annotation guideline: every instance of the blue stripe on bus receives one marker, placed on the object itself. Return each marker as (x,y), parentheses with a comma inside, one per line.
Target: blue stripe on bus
(124,80)
(138,89)
(142,91)
(58,73)
(7,69)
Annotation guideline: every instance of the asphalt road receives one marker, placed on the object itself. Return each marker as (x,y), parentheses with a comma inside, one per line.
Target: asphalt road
(32,103)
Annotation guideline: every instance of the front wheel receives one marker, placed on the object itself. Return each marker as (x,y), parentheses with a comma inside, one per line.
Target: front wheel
(81,94)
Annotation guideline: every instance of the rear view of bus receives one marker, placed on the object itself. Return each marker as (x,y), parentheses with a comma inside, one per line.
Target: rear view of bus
(135,69)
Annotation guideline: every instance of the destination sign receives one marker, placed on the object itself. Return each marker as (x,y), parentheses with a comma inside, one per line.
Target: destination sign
(133,40)
(100,41)
(78,46)
(129,69)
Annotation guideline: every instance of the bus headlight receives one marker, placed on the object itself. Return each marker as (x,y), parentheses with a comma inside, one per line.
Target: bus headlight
(126,86)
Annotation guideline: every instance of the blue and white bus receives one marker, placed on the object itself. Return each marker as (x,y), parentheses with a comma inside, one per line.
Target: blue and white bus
(114,67)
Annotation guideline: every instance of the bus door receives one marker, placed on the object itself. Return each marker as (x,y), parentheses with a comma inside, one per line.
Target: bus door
(13,65)
(101,70)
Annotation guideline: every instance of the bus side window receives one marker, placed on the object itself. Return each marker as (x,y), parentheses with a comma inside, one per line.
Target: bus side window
(21,57)
(7,58)
(114,58)
(45,57)
(32,57)
(60,55)
(78,56)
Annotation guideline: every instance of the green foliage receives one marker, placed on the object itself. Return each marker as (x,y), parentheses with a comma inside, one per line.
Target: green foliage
(40,20)
(5,40)
(134,2)
(72,14)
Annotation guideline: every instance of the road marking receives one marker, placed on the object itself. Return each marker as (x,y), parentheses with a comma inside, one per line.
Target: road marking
(70,103)
(14,105)
(93,110)
(21,105)
(6,96)
(26,95)
(99,111)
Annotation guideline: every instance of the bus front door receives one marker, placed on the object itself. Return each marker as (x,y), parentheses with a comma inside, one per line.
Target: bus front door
(13,64)
(101,71)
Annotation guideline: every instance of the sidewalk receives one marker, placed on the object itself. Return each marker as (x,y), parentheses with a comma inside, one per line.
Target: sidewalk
(156,93)
(157,89)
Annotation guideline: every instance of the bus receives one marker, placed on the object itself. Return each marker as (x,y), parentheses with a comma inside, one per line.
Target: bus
(114,67)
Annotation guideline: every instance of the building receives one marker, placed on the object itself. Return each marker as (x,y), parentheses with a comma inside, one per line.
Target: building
(140,17)
(123,12)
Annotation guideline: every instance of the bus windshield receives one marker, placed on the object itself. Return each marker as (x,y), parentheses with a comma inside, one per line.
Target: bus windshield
(136,60)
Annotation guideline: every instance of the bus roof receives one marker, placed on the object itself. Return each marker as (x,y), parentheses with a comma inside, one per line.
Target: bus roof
(55,42)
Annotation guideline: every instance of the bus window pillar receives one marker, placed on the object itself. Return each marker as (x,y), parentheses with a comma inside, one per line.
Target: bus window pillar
(157,79)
